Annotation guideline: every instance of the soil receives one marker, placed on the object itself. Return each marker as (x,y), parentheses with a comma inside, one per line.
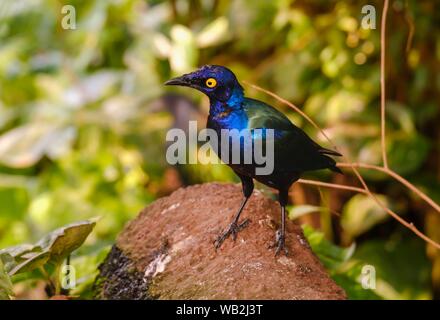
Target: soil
(167,252)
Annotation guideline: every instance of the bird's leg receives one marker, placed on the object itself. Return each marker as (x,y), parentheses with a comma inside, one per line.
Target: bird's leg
(280,235)
(234,226)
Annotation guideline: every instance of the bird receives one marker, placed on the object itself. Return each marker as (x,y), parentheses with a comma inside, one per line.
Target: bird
(294,151)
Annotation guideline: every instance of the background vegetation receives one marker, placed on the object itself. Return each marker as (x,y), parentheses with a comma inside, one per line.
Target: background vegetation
(83,117)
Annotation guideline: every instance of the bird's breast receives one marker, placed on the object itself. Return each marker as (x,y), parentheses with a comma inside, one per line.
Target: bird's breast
(227,118)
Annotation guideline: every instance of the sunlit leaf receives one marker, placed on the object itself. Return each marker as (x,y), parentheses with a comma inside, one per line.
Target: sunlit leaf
(402,115)
(297,211)
(361,213)
(214,33)
(24,146)
(53,248)
(344,104)
(184,53)
(91,88)
(61,242)
(162,45)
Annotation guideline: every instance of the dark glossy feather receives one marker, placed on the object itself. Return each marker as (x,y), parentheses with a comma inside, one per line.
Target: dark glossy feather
(294,150)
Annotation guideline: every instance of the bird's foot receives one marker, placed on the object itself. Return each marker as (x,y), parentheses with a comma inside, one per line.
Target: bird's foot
(233,229)
(280,243)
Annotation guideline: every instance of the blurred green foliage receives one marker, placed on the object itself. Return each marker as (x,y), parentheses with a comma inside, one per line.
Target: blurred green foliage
(82,123)
(352,268)
(44,259)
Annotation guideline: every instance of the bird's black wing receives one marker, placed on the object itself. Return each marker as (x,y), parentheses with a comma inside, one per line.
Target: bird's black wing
(294,149)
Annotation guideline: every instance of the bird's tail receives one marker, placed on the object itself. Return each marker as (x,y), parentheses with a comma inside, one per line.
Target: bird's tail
(331,162)
(334,168)
(329,152)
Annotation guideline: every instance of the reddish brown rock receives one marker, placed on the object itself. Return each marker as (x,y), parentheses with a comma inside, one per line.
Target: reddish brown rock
(167,252)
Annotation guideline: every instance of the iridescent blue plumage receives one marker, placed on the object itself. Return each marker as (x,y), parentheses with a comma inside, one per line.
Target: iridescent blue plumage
(294,151)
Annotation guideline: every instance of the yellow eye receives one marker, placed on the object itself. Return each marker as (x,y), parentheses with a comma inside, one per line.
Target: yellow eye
(211,83)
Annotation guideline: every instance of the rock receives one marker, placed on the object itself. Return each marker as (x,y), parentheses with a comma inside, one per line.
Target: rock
(167,252)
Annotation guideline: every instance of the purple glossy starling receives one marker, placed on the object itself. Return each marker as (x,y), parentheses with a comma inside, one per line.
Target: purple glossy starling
(294,151)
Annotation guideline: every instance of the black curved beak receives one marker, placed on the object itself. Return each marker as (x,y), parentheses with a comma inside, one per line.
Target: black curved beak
(179,81)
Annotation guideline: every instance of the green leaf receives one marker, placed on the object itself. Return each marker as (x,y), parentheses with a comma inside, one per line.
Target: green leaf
(403,270)
(7,260)
(361,213)
(24,146)
(184,52)
(349,278)
(34,260)
(297,211)
(53,248)
(402,115)
(407,153)
(338,261)
(86,263)
(330,255)
(17,251)
(214,33)
(23,258)
(61,242)
(5,284)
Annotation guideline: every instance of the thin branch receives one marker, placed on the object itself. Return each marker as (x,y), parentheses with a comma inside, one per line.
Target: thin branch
(396,176)
(409,225)
(410,21)
(382,82)
(332,185)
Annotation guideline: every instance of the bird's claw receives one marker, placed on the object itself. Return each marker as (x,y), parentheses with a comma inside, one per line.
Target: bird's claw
(279,244)
(233,229)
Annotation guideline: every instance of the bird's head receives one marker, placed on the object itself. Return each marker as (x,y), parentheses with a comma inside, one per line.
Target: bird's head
(217,82)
